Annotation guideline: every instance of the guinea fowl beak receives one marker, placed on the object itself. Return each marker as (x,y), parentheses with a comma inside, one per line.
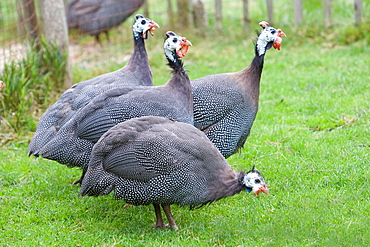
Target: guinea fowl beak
(261,189)
(151,28)
(278,40)
(183,47)
(281,33)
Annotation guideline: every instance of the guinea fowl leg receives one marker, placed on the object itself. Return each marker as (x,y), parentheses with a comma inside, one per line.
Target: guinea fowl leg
(79,181)
(107,35)
(97,39)
(158,215)
(171,221)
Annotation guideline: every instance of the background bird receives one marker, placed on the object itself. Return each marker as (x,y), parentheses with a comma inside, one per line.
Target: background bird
(155,160)
(73,143)
(136,72)
(225,105)
(97,16)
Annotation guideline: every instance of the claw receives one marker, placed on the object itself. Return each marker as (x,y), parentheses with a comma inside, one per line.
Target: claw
(127,205)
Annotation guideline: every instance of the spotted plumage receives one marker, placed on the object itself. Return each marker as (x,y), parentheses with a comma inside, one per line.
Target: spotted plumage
(73,143)
(136,72)
(155,160)
(225,105)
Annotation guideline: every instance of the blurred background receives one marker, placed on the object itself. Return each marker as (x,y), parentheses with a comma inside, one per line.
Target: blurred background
(21,21)
(45,47)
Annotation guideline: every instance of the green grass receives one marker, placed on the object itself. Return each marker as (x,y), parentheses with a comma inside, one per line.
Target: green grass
(310,141)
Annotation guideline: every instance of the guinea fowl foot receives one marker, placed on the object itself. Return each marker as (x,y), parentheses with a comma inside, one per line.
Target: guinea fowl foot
(158,214)
(175,228)
(160,226)
(79,181)
(127,205)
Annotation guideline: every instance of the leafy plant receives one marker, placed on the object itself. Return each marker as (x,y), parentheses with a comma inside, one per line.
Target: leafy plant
(29,83)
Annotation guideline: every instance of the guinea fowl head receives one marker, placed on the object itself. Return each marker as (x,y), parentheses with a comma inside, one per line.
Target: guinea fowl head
(255,182)
(268,37)
(175,46)
(142,26)
(2,84)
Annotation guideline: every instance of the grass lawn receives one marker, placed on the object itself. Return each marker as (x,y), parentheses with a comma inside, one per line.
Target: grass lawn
(310,141)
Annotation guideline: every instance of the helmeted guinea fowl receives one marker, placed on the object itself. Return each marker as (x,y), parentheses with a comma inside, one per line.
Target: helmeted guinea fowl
(155,160)
(136,72)
(97,16)
(73,143)
(225,105)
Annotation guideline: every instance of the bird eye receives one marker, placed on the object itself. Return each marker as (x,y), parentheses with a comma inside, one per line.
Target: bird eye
(143,22)
(273,31)
(174,40)
(257,181)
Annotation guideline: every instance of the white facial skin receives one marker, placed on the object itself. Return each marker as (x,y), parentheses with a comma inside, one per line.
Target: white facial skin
(172,43)
(267,35)
(255,181)
(142,25)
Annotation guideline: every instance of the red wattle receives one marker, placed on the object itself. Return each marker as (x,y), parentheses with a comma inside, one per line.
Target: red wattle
(277,43)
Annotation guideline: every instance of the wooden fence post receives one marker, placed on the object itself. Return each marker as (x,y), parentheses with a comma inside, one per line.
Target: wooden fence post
(21,28)
(270,12)
(199,15)
(1,17)
(218,16)
(298,12)
(184,13)
(28,20)
(145,7)
(170,13)
(246,21)
(53,17)
(358,11)
(327,13)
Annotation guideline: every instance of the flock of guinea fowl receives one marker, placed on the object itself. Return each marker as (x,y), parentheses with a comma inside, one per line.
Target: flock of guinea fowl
(159,145)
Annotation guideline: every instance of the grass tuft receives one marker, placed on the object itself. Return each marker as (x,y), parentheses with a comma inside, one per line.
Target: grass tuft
(29,84)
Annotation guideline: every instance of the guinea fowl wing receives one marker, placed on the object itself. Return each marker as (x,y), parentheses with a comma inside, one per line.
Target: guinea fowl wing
(164,162)
(213,102)
(100,114)
(94,126)
(118,105)
(145,156)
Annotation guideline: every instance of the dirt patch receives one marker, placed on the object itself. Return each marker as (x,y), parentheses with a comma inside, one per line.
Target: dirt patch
(92,55)
(86,56)
(15,52)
